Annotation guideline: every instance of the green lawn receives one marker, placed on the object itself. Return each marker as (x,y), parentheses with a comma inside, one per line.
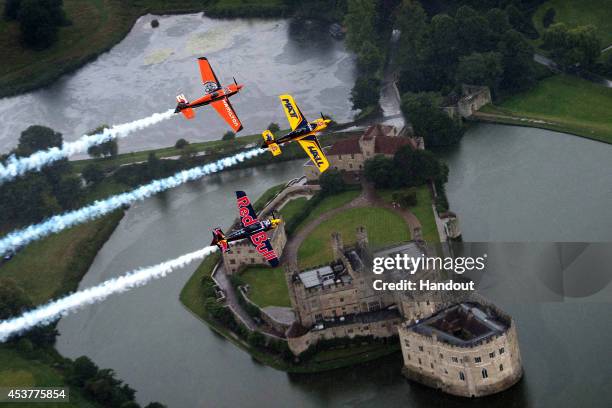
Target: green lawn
(423,211)
(268,286)
(268,195)
(573,105)
(55,265)
(384,227)
(16,371)
(583,12)
(293,208)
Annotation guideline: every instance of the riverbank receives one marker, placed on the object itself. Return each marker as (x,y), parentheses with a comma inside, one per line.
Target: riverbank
(96,27)
(561,103)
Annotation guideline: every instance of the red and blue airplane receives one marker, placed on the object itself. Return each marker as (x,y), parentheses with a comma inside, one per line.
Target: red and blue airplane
(252,228)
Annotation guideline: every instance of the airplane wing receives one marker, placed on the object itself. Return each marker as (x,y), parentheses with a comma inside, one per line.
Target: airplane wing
(208,75)
(311,146)
(245,209)
(294,115)
(226,110)
(260,239)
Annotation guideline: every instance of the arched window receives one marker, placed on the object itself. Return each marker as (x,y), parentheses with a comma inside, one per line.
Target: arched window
(484,373)
(461,376)
(501,367)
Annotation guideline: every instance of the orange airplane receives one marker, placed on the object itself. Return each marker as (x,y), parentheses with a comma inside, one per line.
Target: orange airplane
(215,95)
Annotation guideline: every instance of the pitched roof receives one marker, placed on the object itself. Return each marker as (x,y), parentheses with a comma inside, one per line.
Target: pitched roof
(377,130)
(346,146)
(390,144)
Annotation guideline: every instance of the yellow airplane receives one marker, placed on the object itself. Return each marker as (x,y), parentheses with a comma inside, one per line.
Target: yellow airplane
(301,130)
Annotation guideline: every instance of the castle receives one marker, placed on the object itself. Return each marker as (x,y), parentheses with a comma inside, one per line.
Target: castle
(459,343)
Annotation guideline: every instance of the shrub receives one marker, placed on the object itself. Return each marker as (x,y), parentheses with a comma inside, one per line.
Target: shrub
(549,17)
(229,135)
(181,143)
(273,127)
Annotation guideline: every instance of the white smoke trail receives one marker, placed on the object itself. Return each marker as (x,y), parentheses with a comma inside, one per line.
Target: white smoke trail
(17,166)
(19,238)
(52,311)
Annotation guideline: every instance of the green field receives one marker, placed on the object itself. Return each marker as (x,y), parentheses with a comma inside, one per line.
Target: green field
(571,104)
(293,208)
(384,227)
(97,25)
(16,371)
(267,286)
(55,265)
(423,211)
(583,12)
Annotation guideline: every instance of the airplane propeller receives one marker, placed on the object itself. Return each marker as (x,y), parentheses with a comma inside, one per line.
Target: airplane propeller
(235,83)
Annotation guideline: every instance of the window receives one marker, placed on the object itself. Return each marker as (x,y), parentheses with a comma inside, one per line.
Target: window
(485,374)
(420,362)
(232,261)
(407,343)
(420,348)
(352,156)
(477,359)
(501,367)
(492,354)
(318,316)
(441,356)
(431,364)
(339,157)
(341,299)
(501,350)
(461,376)
(455,360)
(408,356)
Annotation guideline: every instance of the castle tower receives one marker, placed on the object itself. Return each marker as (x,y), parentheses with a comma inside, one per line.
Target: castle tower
(362,238)
(337,245)
(367,142)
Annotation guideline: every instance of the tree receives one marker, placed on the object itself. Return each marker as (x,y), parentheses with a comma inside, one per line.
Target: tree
(36,138)
(331,182)
(517,62)
(429,121)
(68,192)
(369,58)
(549,17)
(481,69)
(365,93)
(229,135)
(181,143)
(154,166)
(379,170)
(93,173)
(13,299)
(155,405)
(415,167)
(39,22)
(577,46)
(498,21)
(11,9)
(256,339)
(273,127)
(359,22)
(411,20)
(83,369)
(473,31)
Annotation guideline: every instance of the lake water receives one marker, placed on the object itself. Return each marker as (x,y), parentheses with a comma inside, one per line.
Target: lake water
(506,183)
(144,73)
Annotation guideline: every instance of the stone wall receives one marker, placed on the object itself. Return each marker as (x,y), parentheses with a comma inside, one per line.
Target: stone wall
(380,329)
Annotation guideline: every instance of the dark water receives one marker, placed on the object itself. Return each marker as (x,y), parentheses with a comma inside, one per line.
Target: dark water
(145,72)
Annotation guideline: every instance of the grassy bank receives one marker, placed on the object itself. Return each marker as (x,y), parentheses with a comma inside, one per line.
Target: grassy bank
(55,265)
(97,25)
(193,299)
(574,13)
(562,103)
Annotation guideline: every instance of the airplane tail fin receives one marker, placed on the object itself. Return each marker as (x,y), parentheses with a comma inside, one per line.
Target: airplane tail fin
(183,107)
(270,144)
(219,240)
